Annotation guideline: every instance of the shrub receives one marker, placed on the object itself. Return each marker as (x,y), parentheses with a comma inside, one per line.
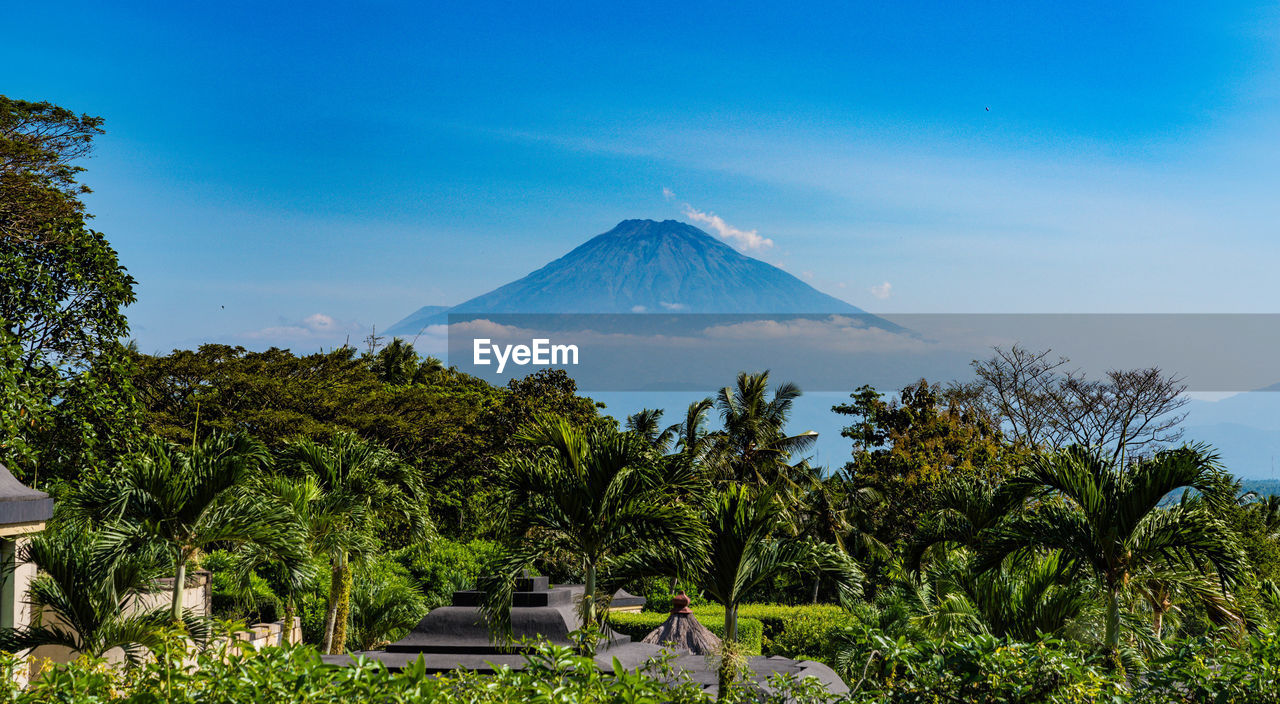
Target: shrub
(1200,670)
(232,600)
(385,604)
(798,632)
(233,676)
(973,669)
(443,566)
(638,625)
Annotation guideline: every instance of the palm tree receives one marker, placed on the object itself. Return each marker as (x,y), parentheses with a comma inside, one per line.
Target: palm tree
(381,609)
(358,484)
(186,501)
(1022,599)
(398,364)
(97,604)
(647,424)
(597,498)
(834,511)
(968,508)
(742,553)
(297,497)
(1105,519)
(753,446)
(692,440)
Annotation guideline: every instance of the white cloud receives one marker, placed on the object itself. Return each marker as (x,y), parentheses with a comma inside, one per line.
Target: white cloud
(638,309)
(744,239)
(808,275)
(672,306)
(881,291)
(317,327)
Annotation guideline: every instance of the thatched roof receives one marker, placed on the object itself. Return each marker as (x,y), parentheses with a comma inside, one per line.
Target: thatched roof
(682,630)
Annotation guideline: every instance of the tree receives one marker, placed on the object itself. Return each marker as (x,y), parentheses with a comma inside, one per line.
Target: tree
(398,364)
(1130,411)
(1104,518)
(692,439)
(97,603)
(63,369)
(742,553)
(910,448)
(647,423)
(754,447)
(39,146)
(597,499)
(1023,599)
(359,484)
(452,428)
(185,501)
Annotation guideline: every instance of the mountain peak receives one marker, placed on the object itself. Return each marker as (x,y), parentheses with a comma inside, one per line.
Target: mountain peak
(655,228)
(646,266)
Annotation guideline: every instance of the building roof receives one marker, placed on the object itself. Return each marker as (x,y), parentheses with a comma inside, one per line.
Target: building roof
(20,503)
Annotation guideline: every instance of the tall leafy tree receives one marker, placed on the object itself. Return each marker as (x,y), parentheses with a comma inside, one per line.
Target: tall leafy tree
(911,448)
(753,446)
(185,501)
(1105,519)
(597,499)
(65,401)
(360,486)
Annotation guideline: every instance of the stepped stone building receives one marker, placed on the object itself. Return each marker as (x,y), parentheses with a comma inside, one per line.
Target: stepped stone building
(456,637)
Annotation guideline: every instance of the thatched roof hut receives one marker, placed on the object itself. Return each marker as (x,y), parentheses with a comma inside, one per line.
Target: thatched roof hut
(682,630)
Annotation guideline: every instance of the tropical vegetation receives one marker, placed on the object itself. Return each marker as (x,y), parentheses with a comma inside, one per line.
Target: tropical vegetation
(1027,535)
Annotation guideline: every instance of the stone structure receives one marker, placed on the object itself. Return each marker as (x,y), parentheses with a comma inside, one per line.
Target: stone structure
(23,512)
(456,637)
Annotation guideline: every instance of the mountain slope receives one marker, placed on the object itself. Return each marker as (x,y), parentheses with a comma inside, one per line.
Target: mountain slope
(643,266)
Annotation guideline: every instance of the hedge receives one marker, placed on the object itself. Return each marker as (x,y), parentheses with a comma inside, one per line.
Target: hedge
(799,632)
(638,625)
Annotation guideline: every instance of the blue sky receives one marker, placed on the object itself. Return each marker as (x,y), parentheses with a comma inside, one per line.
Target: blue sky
(294,173)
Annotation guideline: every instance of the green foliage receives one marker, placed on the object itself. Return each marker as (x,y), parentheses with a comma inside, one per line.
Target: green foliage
(598,500)
(235,600)
(442,566)
(65,399)
(385,604)
(754,448)
(39,145)
(1104,519)
(638,625)
(973,669)
(742,552)
(93,604)
(907,448)
(449,425)
(229,676)
(184,501)
(351,486)
(1205,671)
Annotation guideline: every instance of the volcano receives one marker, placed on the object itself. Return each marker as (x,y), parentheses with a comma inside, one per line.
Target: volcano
(645,266)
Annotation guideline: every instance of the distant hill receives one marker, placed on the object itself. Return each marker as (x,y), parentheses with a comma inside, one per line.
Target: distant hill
(644,266)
